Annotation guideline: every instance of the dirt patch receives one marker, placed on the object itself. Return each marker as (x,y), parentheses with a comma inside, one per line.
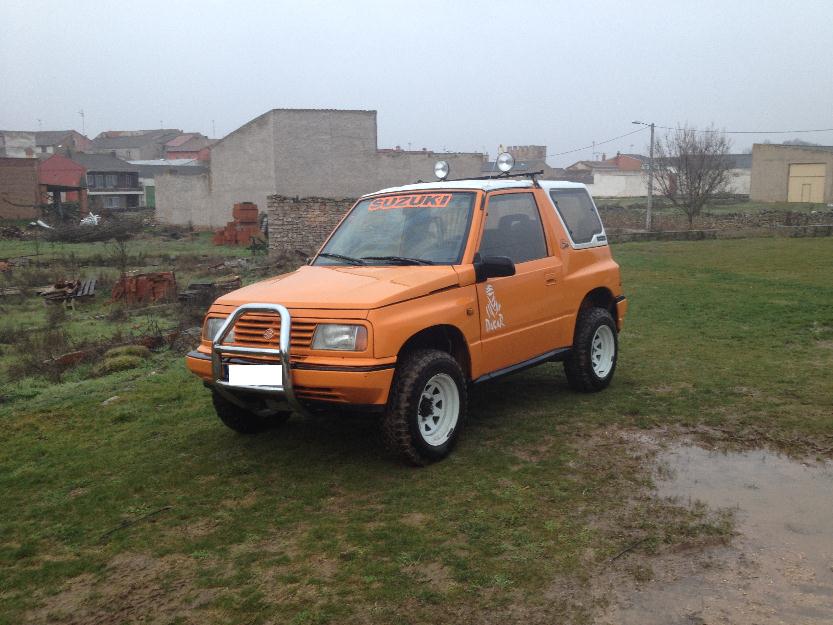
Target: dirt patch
(747,391)
(414,519)
(777,570)
(246,501)
(670,389)
(534,452)
(134,588)
(198,529)
(433,575)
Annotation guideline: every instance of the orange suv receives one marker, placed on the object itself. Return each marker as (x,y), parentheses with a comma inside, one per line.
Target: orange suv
(420,292)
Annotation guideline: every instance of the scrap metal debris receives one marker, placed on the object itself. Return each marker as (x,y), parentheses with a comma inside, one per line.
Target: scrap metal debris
(145,288)
(7,264)
(64,290)
(203,293)
(11,232)
(91,220)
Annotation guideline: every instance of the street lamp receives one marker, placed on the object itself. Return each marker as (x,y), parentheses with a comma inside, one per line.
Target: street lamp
(650,176)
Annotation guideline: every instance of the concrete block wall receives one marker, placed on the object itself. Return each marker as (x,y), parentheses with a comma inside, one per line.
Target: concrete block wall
(299,153)
(771,169)
(298,226)
(183,200)
(242,169)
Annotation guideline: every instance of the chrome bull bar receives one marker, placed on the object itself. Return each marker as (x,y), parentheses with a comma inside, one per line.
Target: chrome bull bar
(284,389)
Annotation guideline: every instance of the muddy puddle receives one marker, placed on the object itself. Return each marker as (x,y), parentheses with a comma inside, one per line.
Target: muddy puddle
(778,569)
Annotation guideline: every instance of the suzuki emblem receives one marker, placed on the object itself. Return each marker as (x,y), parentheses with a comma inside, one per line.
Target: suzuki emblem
(268,333)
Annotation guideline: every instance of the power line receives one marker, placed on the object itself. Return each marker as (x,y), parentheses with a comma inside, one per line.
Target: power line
(587,147)
(751,132)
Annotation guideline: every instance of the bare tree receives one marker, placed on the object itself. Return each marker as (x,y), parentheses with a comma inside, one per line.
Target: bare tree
(691,167)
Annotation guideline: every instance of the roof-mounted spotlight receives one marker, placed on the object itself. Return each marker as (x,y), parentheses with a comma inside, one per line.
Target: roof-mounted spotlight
(441,169)
(505,162)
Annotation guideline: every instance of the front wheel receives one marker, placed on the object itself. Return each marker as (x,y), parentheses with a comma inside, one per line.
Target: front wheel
(592,360)
(426,407)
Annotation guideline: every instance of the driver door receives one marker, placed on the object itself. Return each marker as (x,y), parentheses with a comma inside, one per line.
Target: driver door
(517,313)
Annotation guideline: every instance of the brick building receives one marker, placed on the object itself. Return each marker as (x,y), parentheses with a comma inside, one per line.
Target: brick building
(134,144)
(32,144)
(19,193)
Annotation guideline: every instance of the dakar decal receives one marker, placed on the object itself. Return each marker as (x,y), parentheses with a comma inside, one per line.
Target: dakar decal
(494,318)
(421,200)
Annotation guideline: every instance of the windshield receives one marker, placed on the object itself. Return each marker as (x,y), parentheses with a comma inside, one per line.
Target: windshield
(407,229)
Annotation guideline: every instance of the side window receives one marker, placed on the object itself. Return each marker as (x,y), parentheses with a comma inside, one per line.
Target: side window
(579,215)
(513,228)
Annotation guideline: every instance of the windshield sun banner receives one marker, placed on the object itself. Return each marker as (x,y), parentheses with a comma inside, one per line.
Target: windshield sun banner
(419,200)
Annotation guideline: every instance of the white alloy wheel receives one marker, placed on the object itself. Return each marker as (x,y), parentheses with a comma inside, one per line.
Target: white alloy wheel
(439,409)
(602,351)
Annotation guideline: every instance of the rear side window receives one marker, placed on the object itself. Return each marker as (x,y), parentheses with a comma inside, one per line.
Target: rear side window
(513,228)
(578,213)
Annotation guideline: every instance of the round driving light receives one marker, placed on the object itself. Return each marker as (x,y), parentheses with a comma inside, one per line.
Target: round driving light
(505,162)
(441,169)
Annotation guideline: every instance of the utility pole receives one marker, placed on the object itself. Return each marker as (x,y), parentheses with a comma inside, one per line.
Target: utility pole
(650,176)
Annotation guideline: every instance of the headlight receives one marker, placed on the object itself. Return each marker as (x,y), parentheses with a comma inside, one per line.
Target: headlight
(342,337)
(212,326)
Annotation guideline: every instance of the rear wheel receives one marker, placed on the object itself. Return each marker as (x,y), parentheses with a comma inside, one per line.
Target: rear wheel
(426,407)
(245,421)
(592,360)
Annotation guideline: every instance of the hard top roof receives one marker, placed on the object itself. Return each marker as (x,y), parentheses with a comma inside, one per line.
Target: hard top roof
(492,184)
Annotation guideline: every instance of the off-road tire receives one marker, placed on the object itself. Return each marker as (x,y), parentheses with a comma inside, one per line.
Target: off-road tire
(243,421)
(400,423)
(578,366)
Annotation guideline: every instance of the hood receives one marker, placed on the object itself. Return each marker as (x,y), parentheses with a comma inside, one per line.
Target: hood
(333,287)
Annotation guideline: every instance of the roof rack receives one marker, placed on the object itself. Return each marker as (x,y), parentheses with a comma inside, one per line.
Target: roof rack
(525,174)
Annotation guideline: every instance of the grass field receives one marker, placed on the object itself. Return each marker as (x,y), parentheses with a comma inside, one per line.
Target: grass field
(125,500)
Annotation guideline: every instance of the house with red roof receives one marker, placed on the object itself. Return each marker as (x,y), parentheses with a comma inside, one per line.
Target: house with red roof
(190,145)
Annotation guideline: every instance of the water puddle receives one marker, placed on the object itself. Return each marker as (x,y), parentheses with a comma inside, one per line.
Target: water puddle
(779,569)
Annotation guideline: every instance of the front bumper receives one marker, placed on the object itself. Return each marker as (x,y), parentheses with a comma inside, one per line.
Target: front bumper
(304,381)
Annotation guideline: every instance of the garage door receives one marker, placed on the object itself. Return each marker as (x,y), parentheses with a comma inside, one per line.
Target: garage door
(806,183)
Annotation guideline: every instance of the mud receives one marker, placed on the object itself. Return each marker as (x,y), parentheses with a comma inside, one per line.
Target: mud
(778,569)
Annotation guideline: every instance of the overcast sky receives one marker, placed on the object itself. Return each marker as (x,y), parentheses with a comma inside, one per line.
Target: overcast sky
(453,75)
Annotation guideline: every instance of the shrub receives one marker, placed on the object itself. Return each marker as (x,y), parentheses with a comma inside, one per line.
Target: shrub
(117,363)
(128,350)
(35,351)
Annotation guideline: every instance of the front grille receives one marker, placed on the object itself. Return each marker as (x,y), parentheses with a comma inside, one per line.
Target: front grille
(250,329)
(319,393)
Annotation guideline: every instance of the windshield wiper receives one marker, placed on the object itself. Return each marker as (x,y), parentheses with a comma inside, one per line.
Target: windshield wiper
(349,259)
(403,260)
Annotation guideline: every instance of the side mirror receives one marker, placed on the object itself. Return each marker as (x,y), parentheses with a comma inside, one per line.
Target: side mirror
(486,267)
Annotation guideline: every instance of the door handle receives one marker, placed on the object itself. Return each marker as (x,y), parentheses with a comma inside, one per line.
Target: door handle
(550,279)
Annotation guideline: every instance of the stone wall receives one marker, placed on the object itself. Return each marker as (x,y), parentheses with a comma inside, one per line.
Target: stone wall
(298,226)
(624,219)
